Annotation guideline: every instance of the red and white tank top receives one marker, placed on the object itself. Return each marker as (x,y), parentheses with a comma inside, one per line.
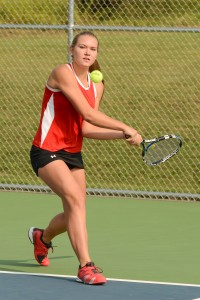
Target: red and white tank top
(60,124)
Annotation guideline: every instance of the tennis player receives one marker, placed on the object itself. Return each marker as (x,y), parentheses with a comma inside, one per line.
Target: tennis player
(70,113)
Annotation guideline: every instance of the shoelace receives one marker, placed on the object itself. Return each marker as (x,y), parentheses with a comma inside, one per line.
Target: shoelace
(51,247)
(95,269)
(48,246)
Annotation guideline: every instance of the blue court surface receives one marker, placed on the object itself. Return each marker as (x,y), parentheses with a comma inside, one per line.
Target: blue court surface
(28,286)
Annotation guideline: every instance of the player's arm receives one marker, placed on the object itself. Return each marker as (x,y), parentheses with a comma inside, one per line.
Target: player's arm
(62,78)
(95,132)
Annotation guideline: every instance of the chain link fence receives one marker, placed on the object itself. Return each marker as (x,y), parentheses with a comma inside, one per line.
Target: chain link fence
(149,55)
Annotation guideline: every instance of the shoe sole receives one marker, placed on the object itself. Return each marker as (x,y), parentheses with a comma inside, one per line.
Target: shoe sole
(30,234)
(89,283)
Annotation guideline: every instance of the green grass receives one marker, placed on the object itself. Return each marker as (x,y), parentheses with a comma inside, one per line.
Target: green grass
(131,13)
(152,84)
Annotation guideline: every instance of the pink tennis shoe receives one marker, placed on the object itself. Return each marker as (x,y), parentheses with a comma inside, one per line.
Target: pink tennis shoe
(90,274)
(40,248)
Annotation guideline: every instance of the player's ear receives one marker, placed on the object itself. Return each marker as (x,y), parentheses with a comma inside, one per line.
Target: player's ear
(71,50)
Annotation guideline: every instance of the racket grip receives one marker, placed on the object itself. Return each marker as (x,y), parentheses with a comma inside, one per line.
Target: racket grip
(127,136)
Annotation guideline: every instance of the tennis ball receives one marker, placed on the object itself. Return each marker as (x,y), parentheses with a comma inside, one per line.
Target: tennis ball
(96,76)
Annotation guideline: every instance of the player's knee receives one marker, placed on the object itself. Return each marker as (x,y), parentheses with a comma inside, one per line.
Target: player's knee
(74,201)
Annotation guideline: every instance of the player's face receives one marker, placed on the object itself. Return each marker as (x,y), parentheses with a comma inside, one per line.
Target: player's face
(85,51)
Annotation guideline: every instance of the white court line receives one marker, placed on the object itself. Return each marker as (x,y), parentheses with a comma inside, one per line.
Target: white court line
(111,279)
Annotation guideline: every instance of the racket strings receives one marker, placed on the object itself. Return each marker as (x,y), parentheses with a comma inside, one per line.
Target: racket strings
(160,150)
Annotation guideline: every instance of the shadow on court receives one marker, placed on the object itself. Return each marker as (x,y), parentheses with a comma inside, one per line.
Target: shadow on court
(8,265)
(18,286)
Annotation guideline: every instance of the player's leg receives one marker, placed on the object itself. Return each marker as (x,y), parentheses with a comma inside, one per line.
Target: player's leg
(58,225)
(70,186)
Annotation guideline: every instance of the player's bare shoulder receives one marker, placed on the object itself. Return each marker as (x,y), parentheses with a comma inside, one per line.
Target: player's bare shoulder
(59,75)
(61,70)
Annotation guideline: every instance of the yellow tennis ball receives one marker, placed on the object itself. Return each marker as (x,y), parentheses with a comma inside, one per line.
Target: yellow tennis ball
(96,76)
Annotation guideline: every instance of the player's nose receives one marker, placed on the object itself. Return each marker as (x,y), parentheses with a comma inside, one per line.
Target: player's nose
(87,51)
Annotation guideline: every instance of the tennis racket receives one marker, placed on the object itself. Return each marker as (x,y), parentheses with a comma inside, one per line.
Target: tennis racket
(158,150)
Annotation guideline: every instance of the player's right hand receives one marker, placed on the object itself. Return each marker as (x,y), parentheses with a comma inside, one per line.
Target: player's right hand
(133,137)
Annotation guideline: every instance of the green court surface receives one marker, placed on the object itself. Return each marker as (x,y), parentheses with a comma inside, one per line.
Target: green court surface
(132,239)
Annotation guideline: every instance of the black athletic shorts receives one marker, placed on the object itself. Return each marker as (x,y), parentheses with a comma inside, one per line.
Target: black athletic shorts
(40,158)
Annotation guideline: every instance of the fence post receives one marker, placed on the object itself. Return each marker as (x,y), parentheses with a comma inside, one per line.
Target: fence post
(70,25)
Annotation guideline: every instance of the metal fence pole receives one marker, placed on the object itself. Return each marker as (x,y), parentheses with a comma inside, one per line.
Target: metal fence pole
(70,25)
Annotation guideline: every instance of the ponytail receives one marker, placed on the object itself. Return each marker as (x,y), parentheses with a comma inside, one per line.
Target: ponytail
(95,66)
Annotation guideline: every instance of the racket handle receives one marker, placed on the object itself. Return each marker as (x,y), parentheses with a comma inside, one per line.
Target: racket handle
(127,136)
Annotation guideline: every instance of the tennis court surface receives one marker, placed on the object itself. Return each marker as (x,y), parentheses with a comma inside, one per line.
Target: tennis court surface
(34,286)
(149,250)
